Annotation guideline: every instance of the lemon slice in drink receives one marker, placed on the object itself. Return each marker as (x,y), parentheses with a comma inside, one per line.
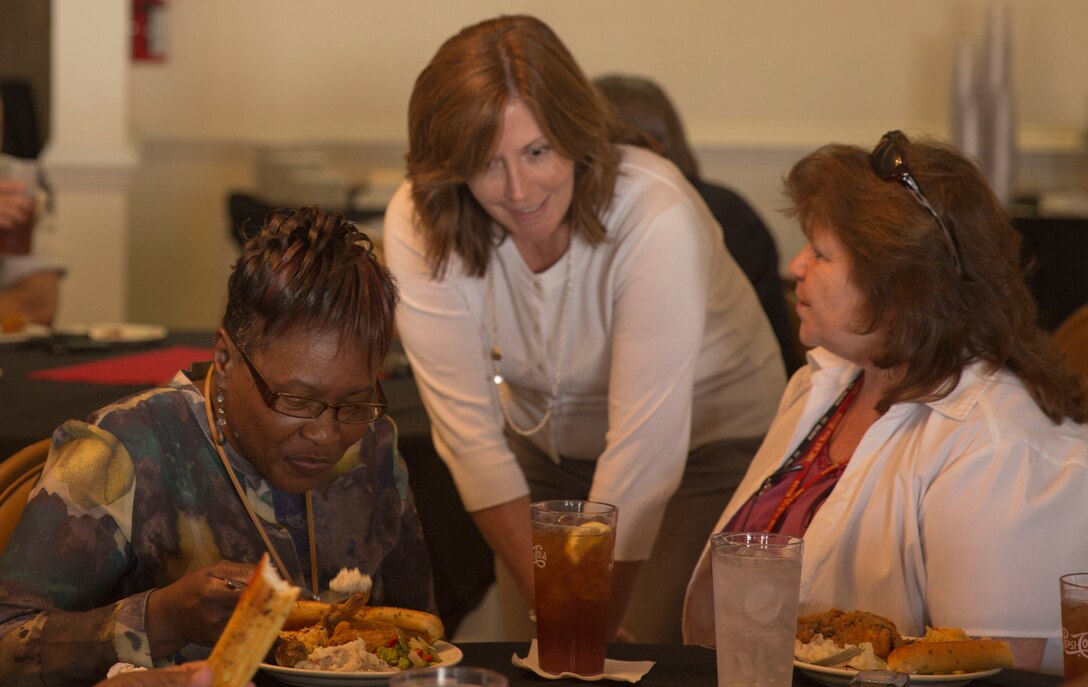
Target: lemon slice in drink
(582,539)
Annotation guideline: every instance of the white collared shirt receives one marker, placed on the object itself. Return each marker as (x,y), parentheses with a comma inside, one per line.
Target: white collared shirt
(961,512)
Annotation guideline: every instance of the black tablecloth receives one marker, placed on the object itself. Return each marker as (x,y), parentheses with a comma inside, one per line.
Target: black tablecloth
(31,409)
(675,666)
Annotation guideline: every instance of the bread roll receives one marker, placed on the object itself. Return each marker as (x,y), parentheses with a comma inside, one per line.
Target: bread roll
(264,605)
(967,656)
(304,613)
(418,622)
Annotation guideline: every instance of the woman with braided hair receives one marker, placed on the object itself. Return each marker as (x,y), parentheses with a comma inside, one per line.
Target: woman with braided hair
(147,510)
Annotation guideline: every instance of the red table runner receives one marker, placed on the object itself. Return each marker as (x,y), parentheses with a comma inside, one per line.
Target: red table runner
(149,368)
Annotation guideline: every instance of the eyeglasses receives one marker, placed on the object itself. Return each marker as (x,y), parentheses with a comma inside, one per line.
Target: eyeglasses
(889,163)
(309,408)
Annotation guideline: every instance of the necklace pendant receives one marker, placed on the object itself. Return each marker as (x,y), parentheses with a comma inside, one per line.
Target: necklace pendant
(497,379)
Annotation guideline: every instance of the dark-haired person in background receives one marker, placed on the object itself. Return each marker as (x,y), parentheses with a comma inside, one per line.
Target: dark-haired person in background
(644,105)
(933,453)
(280,444)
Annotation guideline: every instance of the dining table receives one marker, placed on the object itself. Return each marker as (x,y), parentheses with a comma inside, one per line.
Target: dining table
(50,379)
(674,666)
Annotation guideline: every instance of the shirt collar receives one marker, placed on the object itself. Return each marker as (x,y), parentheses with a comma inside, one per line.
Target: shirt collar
(975,379)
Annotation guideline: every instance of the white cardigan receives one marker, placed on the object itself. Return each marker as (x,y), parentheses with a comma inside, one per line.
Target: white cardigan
(667,346)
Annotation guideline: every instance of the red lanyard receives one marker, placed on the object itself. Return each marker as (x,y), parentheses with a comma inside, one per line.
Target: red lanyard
(800,483)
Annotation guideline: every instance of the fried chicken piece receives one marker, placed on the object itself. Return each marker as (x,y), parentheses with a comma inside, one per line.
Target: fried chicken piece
(374,632)
(851,628)
(296,645)
(344,611)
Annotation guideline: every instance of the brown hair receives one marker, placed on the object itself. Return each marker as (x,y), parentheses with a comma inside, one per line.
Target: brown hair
(310,269)
(643,104)
(934,321)
(455,116)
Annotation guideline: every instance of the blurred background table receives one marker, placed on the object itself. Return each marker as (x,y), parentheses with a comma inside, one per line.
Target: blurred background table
(30,409)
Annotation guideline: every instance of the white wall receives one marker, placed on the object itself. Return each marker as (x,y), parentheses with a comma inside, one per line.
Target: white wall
(759,84)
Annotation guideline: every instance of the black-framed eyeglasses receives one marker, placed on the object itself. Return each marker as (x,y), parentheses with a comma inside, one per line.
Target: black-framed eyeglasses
(890,164)
(309,408)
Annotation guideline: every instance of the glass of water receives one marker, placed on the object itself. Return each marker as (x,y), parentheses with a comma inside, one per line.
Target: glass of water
(757,582)
(448,676)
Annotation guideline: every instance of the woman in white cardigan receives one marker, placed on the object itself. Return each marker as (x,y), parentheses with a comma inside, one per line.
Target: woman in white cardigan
(575,325)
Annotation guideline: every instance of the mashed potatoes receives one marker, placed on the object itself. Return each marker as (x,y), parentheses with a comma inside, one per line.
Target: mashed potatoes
(350,581)
(819,648)
(352,657)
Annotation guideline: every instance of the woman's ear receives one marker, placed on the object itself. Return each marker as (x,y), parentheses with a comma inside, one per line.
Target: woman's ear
(222,356)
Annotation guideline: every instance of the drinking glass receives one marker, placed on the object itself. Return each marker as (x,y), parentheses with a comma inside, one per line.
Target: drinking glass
(17,241)
(572,560)
(757,583)
(1074,589)
(448,676)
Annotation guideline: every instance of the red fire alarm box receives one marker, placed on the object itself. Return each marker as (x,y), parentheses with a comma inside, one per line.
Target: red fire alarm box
(149,30)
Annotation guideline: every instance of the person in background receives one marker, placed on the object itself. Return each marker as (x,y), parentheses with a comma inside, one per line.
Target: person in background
(576,327)
(280,444)
(29,284)
(644,105)
(933,453)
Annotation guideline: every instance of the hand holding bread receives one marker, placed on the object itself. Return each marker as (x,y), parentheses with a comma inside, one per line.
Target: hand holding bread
(253,627)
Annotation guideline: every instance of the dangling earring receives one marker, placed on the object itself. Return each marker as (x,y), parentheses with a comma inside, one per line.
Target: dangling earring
(222,419)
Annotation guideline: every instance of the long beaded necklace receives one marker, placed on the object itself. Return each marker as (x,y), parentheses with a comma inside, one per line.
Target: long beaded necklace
(496,350)
(217,439)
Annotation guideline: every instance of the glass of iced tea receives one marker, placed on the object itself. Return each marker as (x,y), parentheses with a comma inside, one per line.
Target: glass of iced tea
(1074,588)
(572,560)
(17,240)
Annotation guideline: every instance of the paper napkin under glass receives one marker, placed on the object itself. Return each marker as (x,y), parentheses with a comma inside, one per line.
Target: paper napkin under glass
(625,671)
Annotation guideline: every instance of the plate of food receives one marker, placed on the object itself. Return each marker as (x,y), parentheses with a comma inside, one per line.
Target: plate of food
(842,676)
(448,655)
(339,644)
(14,332)
(944,656)
(116,332)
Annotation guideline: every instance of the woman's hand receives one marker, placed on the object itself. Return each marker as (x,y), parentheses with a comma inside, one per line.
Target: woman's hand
(16,208)
(196,674)
(195,609)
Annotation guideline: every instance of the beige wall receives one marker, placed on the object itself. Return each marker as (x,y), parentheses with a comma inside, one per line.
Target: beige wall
(759,84)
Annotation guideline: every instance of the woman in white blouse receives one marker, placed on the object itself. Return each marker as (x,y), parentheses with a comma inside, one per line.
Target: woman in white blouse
(933,454)
(575,325)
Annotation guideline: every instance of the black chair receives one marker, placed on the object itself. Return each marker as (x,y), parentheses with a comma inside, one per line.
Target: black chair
(21,135)
(248,211)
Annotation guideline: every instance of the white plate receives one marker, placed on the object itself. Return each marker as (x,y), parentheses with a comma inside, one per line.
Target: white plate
(842,676)
(29,332)
(450,655)
(116,332)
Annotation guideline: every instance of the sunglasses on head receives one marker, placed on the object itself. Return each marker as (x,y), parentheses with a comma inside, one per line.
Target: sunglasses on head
(890,164)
